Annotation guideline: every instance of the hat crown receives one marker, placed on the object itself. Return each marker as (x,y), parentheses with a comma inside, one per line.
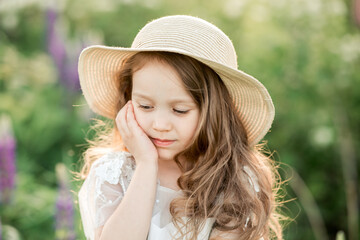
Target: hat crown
(188,35)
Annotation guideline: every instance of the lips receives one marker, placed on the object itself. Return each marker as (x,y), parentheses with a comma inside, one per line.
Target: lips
(162,142)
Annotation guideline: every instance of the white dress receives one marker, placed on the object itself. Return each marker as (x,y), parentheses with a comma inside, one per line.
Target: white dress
(105,186)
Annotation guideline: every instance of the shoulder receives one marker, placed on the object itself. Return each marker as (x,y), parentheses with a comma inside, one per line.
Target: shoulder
(110,175)
(112,165)
(103,188)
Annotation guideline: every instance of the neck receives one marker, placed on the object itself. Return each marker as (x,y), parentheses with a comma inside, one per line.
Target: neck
(168,173)
(168,164)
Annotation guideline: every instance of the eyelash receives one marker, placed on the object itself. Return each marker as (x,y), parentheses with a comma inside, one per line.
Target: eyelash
(145,107)
(180,111)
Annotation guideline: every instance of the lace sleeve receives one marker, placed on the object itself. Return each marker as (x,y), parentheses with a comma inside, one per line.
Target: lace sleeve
(103,189)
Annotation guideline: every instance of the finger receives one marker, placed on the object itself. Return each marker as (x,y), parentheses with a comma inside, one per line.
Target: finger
(118,115)
(132,124)
(121,122)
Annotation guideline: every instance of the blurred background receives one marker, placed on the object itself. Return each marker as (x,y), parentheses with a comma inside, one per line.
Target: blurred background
(306,52)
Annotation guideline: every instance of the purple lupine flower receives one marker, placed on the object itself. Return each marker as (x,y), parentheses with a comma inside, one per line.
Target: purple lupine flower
(55,45)
(65,211)
(65,53)
(357,12)
(70,72)
(7,160)
(65,63)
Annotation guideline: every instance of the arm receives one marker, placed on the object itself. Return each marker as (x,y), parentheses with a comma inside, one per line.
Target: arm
(132,217)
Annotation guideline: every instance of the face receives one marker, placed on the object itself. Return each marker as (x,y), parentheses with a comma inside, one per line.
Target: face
(164,109)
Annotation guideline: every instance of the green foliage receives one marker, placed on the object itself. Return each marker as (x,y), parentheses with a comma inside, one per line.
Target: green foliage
(32,211)
(307,53)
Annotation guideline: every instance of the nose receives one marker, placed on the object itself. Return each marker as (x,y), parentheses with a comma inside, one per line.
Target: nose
(161,122)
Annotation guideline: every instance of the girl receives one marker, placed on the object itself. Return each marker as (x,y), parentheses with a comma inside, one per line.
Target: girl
(181,160)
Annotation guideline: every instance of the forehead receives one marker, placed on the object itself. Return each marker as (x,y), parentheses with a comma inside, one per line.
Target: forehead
(157,79)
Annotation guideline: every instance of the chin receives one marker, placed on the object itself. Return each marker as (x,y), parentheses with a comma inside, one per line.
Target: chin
(166,155)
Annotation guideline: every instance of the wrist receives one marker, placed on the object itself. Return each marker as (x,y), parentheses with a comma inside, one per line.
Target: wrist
(150,165)
(148,170)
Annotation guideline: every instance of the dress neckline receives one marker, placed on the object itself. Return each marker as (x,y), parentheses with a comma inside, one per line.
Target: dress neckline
(167,189)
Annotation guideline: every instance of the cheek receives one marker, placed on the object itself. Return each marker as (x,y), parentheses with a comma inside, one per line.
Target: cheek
(189,127)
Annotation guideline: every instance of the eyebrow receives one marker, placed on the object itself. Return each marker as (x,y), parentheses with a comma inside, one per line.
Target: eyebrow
(173,100)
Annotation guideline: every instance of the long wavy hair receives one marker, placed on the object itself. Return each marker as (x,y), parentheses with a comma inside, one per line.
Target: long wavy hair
(221,172)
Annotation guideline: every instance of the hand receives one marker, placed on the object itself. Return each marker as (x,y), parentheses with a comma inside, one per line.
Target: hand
(134,138)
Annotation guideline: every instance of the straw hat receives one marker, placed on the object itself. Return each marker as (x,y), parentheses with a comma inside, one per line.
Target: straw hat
(191,36)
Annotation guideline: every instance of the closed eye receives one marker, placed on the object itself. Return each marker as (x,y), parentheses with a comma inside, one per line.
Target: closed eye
(181,111)
(146,107)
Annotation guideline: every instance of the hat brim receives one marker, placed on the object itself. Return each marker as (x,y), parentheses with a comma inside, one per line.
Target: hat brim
(99,65)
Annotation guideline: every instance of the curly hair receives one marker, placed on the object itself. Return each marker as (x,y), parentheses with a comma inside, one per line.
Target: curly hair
(223,177)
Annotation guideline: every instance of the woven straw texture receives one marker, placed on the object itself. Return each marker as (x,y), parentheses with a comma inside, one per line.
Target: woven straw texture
(191,36)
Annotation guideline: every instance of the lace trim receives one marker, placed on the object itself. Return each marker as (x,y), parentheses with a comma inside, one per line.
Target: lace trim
(114,168)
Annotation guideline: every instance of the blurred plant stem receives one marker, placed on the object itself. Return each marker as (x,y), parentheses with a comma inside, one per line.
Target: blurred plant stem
(64,206)
(311,209)
(349,168)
